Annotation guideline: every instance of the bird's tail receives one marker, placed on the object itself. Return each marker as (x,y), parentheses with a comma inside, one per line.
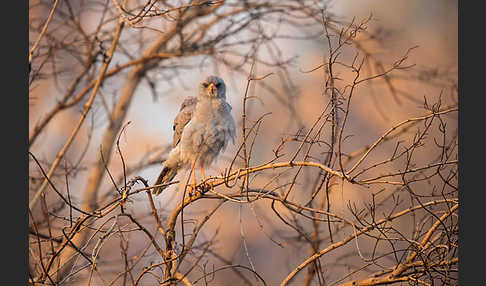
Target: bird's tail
(165,176)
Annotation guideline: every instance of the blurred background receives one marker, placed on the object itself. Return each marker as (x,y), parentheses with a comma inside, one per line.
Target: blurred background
(240,234)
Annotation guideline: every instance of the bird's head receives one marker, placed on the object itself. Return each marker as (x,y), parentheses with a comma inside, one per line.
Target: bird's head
(213,87)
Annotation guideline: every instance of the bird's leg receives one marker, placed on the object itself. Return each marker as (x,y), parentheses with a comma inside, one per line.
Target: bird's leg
(203,178)
(194,181)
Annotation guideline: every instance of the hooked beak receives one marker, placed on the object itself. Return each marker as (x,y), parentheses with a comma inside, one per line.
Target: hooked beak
(212,90)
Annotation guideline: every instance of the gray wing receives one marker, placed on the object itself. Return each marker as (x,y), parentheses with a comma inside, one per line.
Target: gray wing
(183,117)
(230,124)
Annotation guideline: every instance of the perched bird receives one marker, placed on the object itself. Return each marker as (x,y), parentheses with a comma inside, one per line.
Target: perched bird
(202,129)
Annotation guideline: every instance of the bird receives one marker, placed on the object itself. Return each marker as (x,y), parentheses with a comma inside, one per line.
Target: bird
(202,129)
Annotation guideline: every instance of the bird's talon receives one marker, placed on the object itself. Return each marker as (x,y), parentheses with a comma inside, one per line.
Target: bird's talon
(200,189)
(192,191)
(207,187)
